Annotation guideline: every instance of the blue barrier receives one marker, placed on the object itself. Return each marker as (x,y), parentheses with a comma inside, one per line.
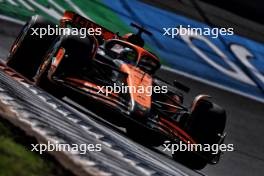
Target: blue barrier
(231,62)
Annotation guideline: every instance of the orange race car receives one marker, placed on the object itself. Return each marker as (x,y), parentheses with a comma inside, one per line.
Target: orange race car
(115,76)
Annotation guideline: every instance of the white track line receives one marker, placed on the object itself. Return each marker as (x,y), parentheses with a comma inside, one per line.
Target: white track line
(49,11)
(56,5)
(196,78)
(26,5)
(10,19)
(77,9)
(12,2)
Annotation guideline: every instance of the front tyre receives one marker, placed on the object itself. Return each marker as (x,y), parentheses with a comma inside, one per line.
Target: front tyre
(28,50)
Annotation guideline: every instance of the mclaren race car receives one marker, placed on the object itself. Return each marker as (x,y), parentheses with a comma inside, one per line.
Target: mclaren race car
(85,68)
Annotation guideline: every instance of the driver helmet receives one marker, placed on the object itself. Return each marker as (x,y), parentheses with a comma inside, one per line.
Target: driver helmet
(129,56)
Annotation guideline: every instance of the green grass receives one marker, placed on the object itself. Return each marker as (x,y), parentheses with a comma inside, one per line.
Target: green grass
(17,159)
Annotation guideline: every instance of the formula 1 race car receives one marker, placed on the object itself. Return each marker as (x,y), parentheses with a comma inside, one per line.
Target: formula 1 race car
(83,69)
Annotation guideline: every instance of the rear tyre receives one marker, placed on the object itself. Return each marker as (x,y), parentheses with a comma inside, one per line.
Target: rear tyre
(208,122)
(28,50)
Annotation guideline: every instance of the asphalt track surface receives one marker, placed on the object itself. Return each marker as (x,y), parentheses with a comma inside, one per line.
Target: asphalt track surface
(244,126)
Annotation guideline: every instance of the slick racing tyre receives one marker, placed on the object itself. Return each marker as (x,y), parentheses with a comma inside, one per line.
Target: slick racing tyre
(77,57)
(29,48)
(207,123)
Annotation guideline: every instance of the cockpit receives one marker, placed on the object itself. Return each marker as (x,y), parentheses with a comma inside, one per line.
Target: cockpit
(132,54)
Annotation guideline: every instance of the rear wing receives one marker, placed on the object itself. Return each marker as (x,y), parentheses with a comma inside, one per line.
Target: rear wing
(75,20)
